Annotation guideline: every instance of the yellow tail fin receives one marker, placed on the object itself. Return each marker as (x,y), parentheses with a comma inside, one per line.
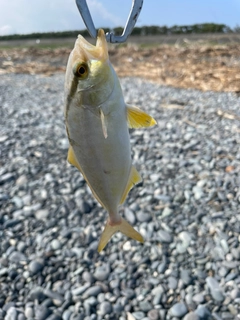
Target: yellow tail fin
(123,227)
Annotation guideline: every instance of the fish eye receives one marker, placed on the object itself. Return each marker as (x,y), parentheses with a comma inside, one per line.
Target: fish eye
(80,70)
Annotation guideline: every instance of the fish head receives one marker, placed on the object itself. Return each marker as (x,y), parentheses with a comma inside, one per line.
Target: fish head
(89,75)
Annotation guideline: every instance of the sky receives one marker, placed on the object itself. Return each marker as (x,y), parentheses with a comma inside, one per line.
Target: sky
(27,16)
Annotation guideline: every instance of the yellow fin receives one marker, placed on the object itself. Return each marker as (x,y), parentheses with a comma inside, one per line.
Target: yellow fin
(72,159)
(134,178)
(137,118)
(123,227)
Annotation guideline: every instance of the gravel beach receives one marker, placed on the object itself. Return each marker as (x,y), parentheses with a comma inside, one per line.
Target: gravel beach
(187,209)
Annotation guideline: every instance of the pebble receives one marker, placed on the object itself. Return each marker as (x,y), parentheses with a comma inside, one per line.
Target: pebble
(198,298)
(215,289)
(11,314)
(138,315)
(55,244)
(153,314)
(80,290)
(178,310)
(145,306)
(105,308)
(164,236)
(35,267)
(191,316)
(172,283)
(92,291)
(42,214)
(188,267)
(17,257)
(166,212)
(130,216)
(202,312)
(142,216)
(102,272)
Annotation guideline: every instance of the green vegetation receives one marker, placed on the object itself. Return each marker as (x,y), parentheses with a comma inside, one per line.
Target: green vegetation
(137,31)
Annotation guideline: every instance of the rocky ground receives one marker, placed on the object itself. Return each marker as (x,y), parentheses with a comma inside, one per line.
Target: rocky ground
(187,209)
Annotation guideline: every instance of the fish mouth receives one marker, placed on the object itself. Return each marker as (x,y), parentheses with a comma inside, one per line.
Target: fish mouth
(87,51)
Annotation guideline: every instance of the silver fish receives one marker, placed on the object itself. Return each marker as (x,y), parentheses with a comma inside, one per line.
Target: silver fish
(97,121)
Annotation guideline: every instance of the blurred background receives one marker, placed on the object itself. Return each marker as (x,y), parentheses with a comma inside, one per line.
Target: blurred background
(181,43)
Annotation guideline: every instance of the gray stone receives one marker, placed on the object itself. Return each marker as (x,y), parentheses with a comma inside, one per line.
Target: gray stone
(153,314)
(164,236)
(11,314)
(105,308)
(56,244)
(66,315)
(92,291)
(215,289)
(35,267)
(191,316)
(198,192)
(138,315)
(178,310)
(145,306)
(185,276)
(142,216)
(198,298)
(166,212)
(6,178)
(130,216)
(42,214)
(42,312)
(172,283)
(102,272)
(202,312)
(29,313)
(80,290)
(17,257)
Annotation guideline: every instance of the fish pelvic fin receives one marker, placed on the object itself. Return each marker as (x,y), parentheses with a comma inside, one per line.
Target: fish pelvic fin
(72,159)
(137,118)
(124,227)
(134,178)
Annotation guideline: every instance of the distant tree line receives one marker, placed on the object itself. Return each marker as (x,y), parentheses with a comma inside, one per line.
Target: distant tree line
(137,31)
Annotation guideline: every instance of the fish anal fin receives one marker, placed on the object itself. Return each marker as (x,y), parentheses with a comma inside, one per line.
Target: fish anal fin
(72,159)
(124,227)
(134,178)
(137,118)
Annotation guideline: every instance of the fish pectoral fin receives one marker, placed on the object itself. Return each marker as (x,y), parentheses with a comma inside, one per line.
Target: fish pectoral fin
(104,124)
(71,158)
(137,118)
(134,178)
(124,227)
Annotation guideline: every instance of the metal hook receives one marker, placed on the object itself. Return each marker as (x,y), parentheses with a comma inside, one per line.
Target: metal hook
(110,37)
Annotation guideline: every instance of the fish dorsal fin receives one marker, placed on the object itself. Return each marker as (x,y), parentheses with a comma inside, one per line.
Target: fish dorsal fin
(72,159)
(137,118)
(134,178)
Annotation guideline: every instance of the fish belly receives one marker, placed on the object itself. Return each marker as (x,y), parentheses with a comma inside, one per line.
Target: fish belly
(105,162)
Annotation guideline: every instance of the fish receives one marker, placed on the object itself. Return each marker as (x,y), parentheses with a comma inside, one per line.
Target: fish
(97,121)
